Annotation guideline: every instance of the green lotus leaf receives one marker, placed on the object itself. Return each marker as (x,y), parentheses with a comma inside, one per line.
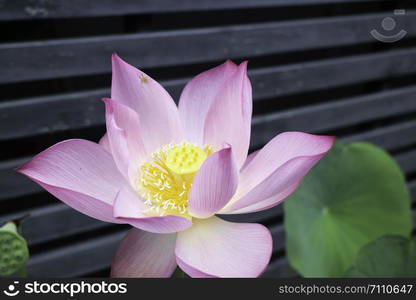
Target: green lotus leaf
(354,195)
(388,256)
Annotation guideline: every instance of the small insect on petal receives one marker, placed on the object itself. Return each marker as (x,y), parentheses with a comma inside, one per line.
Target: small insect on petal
(143,78)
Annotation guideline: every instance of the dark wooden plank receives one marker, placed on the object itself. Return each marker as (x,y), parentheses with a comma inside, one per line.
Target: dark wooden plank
(412,188)
(76,259)
(390,138)
(63,112)
(83,109)
(94,255)
(35,9)
(51,222)
(331,73)
(279,268)
(407,161)
(13,184)
(333,115)
(69,57)
(272,215)
(278,234)
(57,221)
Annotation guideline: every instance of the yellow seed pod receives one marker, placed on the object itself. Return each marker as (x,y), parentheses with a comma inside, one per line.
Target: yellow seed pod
(185,159)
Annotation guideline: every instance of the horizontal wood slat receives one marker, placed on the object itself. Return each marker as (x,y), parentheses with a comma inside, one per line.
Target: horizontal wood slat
(390,138)
(12,184)
(55,221)
(412,188)
(68,57)
(279,268)
(332,115)
(332,73)
(11,10)
(99,251)
(407,161)
(75,260)
(83,109)
(81,258)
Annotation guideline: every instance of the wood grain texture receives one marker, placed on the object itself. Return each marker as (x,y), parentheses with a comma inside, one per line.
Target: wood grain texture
(34,9)
(83,109)
(41,60)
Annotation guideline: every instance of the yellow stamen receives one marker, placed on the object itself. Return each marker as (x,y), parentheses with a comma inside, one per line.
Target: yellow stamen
(166,179)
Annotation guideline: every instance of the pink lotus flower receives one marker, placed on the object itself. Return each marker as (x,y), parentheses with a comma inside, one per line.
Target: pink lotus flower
(167,171)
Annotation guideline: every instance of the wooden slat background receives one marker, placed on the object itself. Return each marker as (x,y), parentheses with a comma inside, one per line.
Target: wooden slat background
(313,64)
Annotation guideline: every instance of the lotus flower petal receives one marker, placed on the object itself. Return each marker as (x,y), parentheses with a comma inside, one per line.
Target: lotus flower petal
(268,203)
(229,118)
(144,254)
(250,157)
(105,143)
(269,175)
(124,136)
(216,248)
(129,208)
(158,113)
(214,184)
(81,174)
(198,96)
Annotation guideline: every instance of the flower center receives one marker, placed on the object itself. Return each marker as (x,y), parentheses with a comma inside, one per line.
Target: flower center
(185,159)
(166,179)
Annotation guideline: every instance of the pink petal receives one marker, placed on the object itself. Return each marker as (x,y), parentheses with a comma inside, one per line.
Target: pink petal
(250,157)
(268,203)
(129,208)
(216,248)
(214,184)
(80,173)
(280,150)
(194,273)
(158,114)
(118,146)
(85,204)
(198,96)
(105,143)
(124,135)
(146,255)
(282,163)
(229,118)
